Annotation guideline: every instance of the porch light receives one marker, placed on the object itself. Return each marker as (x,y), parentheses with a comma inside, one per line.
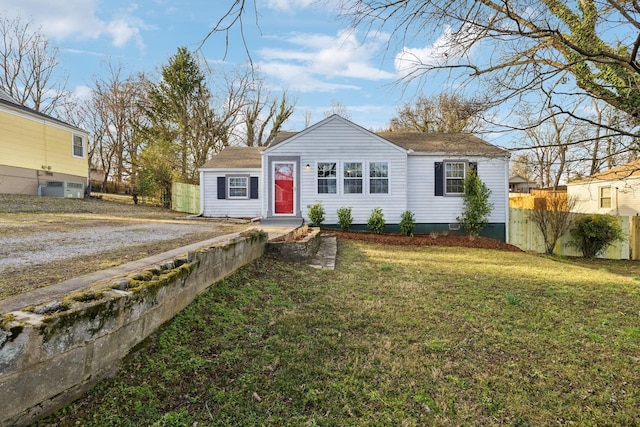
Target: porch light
(308,167)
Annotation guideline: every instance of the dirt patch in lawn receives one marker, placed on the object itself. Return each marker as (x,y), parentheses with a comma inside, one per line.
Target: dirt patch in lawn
(425,240)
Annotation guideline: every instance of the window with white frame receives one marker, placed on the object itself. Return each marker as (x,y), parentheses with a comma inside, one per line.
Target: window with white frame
(352,172)
(238,187)
(454,173)
(78,146)
(605,197)
(378,178)
(327,178)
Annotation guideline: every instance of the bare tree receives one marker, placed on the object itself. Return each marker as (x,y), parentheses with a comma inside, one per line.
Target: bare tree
(551,139)
(30,71)
(444,113)
(553,219)
(608,148)
(521,165)
(534,44)
(113,115)
(338,108)
(263,114)
(307,118)
(562,48)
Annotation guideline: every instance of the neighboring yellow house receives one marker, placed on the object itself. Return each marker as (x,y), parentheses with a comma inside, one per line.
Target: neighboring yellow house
(36,149)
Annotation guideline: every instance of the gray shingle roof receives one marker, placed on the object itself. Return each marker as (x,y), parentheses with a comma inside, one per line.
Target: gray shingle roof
(236,157)
(453,143)
(441,143)
(4,96)
(628,170)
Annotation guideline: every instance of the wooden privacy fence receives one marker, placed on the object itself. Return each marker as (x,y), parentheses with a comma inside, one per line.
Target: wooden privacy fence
(185,198)
(525,234)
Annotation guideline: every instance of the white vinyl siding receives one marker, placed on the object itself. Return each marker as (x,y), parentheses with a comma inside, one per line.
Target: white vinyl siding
(624,196)
(339,142)
(429,208)
(228,207)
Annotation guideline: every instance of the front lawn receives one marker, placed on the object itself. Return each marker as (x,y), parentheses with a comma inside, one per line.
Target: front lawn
(395,336)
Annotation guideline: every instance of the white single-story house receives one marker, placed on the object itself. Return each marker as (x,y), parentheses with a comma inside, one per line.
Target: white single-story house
(340,164)
(518,184)
(615,191)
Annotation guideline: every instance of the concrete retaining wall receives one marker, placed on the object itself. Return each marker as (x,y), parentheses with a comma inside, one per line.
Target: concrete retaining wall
(52,353)
(299,246)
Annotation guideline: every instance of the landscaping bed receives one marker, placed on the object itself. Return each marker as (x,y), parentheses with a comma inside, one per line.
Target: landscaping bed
(452,240)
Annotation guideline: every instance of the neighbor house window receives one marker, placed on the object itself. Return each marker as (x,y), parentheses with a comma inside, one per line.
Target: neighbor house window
(327,178)
(605,197)
(78,146)
(238,187)
(454,177)
(378,178)
(352,178)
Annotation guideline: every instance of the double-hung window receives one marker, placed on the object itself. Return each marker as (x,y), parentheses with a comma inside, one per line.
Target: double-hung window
(352,178)
(454,173)
(327,178)
(238,187)
(378,178)
(605,197)
(78,146)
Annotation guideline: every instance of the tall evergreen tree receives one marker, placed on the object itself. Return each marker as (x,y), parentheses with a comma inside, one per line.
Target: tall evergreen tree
(180,115)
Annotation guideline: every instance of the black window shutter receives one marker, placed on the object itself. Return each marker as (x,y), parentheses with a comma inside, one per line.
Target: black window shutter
(222,187)
(474,166)
(254,187)
(439,181)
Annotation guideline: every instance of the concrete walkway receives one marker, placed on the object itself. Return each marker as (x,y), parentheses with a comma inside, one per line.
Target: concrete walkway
(50,293)
(325,258)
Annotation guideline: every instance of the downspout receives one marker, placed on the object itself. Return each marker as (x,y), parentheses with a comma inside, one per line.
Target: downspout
(507,216)
(201,213)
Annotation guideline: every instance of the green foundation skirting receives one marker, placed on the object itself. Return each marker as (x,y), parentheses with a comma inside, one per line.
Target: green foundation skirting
(496,231)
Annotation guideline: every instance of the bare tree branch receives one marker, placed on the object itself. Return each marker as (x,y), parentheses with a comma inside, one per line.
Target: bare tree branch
(30,73)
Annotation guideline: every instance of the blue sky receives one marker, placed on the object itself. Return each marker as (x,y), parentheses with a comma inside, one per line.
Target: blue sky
(300,45)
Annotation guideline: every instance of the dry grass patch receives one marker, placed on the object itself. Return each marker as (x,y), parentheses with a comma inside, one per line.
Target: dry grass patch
(439,336)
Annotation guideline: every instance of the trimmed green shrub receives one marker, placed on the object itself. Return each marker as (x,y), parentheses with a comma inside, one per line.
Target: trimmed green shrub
(476,205)
(345,218)
(407,223)
(316,215)
(594,233)
(376,221)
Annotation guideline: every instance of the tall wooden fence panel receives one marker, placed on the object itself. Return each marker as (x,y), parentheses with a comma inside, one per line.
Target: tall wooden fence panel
(634,238)
(525,234)
(185,198)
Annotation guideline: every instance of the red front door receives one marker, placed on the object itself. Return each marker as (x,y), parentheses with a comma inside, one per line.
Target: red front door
(283,188)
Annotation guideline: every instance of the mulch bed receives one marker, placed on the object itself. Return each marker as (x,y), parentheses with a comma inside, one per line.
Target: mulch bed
(424,240)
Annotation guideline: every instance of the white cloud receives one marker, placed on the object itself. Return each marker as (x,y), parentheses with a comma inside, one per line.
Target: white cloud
(82,92)
(320,60)
(289,6)
(296,77)
(447,49)
(62,19)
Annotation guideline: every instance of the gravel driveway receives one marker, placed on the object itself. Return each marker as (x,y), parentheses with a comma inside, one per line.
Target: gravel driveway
(45,240)
(37,247)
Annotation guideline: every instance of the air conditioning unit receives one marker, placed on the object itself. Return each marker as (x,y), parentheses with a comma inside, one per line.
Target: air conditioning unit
(64,189)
